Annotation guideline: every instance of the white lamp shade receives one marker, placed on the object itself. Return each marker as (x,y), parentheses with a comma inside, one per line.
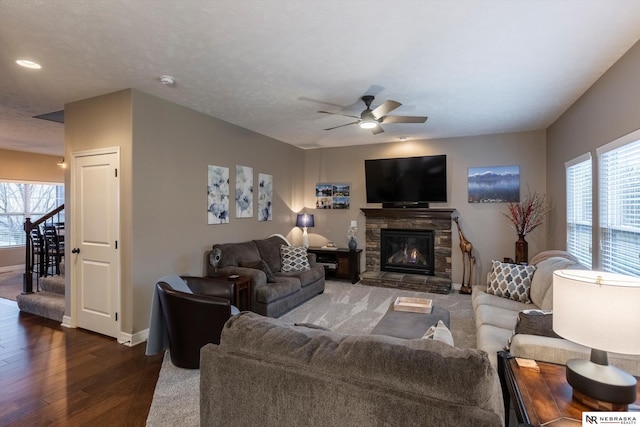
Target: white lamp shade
(597,309)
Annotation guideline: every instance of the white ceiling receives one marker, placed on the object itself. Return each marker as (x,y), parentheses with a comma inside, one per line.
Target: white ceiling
(474,67)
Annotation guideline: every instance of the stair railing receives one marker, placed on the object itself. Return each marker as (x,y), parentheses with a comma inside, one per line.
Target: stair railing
(52,218)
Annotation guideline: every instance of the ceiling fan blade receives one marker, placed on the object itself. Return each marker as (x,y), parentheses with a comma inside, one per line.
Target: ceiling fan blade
(385,108)
(376,130)
(404,119)
(338,114)
(336,127)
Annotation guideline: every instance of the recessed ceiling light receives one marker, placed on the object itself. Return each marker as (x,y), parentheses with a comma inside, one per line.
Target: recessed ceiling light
(28,64)
(402,138)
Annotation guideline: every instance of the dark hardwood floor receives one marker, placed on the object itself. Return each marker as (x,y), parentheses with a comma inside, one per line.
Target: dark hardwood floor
(55,376)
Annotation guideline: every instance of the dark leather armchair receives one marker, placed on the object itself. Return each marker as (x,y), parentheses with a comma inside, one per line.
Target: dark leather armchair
(193,320)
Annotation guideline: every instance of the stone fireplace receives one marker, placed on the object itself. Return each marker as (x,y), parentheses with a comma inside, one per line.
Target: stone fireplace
(406,221)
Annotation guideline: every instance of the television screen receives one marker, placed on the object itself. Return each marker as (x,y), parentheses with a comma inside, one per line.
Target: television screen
(406,180)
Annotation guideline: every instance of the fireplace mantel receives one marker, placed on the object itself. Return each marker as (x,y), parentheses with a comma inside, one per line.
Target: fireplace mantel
(408,212)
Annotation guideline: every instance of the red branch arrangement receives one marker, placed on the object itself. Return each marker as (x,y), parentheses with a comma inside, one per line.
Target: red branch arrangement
(528,214)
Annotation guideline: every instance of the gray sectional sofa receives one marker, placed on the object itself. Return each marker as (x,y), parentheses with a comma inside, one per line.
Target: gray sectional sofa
(496,318)
(285,291)
(267,373)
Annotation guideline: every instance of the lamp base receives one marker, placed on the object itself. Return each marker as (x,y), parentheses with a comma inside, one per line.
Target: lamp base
(604,383)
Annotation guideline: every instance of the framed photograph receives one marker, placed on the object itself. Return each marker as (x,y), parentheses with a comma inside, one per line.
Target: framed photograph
(244,192)
(333,196)
(494,184)
(218,195)
(265,197)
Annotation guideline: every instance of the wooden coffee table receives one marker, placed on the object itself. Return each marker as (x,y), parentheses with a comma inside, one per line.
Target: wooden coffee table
(540,398)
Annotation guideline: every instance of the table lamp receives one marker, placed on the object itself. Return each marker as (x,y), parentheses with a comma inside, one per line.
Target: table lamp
(304,221)
(602,311)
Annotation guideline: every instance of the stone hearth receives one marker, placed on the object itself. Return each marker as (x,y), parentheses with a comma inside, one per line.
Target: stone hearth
(438,220)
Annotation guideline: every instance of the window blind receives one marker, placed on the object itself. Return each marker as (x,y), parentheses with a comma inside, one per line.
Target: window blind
(619,184)
(579,208)
(21,200)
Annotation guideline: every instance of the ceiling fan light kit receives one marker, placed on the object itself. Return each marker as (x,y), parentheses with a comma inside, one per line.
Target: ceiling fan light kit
(371,119)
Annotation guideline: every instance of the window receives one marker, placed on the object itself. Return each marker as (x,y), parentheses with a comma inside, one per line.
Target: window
(579,208)
(619,186)
(19,200)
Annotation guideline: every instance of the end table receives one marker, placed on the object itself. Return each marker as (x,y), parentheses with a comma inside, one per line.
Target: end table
(242,295)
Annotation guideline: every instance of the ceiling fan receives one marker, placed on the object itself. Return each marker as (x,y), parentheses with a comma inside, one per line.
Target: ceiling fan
(372,119)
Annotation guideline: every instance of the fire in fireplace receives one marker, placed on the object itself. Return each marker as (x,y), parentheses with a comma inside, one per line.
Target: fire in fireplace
(407,251)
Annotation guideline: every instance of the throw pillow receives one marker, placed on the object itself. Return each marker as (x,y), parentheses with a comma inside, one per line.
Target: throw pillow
(534,322)
(511,281)
(261,265)
(294,258)
(439,332)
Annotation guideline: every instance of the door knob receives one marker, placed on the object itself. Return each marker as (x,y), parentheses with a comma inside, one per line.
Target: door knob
(75,250)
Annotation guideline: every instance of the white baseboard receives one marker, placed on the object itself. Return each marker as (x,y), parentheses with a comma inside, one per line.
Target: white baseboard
(66,322)
(132,340)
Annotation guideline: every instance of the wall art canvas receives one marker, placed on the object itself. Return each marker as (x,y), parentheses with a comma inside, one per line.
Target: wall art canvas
(494,184)
(333,196)
(218,195)
(244,192)
(265,197)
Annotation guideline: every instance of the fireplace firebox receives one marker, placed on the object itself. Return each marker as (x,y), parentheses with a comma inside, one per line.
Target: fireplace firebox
(407,251)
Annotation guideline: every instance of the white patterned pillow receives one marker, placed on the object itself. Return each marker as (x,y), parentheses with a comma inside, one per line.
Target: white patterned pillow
(511,281)
(439,332)
(294,258)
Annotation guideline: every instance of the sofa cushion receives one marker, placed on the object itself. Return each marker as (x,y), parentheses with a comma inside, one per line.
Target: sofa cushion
(542,282)
(270,251)
(306,277)
(439,332)
(294,258)
(263,266)
(282,287)
(232,254)
(481,297)
(501,317)
(510,280)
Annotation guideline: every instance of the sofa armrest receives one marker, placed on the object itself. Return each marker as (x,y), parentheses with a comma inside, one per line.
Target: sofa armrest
(210,286)
(559,350)
(312,259)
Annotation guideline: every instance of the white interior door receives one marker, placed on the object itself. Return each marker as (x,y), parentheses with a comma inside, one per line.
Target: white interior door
(95,257)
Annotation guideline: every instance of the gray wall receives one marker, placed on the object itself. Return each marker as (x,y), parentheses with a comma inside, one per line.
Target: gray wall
(483,224)
(165,151)
(608,110)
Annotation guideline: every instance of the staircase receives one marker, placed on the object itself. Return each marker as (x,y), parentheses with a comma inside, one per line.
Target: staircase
(49,301)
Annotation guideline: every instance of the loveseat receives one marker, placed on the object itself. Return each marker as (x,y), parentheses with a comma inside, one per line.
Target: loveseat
(268,373)
(496,318)
(273,291)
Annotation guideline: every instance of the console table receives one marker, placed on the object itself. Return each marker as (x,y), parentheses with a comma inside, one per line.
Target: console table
(540,397)
(340,263)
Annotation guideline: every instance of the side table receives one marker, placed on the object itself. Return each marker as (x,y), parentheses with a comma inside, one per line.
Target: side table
(340,263)
(540,397)
(242,295)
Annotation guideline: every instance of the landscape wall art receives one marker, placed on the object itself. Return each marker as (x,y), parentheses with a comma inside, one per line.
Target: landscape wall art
(494,184)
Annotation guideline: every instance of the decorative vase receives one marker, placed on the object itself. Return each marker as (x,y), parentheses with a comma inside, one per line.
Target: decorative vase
(522,250)
(353,244)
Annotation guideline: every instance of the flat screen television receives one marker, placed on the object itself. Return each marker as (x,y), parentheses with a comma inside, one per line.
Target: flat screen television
(406,182)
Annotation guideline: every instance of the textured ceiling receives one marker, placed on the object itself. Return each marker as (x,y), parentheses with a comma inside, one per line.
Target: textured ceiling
(473,67)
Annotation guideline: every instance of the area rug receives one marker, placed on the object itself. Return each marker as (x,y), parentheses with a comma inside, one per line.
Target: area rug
(343,307)
(11,284)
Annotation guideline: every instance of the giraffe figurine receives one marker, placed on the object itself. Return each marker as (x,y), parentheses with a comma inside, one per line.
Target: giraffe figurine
(467,254)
